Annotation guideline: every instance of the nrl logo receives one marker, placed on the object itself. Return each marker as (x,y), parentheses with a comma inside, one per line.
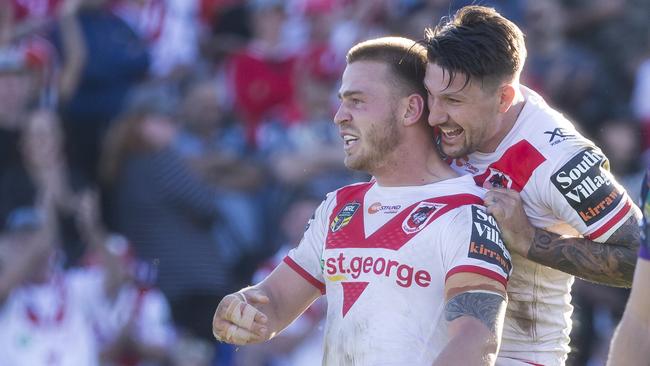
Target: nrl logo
(344,216)
(419,217)
(497,179)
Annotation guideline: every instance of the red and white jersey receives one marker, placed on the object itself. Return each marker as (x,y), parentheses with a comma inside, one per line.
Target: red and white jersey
(144,310)
(381,256)
(566,187)
(48,324)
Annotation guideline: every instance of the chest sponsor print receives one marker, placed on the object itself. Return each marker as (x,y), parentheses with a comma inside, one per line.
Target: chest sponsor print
(379,207)
(586,184)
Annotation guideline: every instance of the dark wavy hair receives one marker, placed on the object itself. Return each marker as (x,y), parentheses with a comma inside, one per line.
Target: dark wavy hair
(478,43)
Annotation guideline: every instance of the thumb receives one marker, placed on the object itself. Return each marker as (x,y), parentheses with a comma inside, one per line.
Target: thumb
(256,297)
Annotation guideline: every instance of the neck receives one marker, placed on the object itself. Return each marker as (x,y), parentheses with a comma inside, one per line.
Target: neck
(414,168)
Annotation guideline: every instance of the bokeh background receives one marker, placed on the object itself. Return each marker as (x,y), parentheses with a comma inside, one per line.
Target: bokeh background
(199,134)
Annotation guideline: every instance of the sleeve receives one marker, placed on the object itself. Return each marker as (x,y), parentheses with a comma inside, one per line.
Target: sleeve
(473,244)
(583,193)
(306,258)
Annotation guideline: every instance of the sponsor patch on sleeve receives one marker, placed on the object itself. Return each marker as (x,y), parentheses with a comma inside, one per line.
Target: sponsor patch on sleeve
(485,243)
(586,184)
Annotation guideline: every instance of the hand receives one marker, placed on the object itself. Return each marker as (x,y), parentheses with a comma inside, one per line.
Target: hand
(87,209)
(236,321)
(506,207)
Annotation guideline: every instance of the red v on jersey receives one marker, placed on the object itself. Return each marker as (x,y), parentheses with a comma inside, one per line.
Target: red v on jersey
(515,166)
(391,235)
(351,292)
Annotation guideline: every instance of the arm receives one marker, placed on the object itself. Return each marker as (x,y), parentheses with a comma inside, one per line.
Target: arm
(631,342)
(475,310)
(269,307)
(610,263)
(74,49)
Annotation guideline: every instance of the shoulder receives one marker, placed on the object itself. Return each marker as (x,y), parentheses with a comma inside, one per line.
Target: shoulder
(350,194)
(353,190)
(548,131)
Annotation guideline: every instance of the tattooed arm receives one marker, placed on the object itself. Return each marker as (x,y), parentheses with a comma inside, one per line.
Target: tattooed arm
(609,263)
(475,310)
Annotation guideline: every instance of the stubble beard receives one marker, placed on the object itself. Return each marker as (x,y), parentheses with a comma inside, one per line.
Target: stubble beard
(382,139)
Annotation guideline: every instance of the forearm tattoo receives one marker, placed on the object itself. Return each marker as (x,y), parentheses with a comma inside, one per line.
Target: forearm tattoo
(487,307)
(610,263)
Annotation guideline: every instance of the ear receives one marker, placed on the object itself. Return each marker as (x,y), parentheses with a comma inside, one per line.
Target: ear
(507,95)
(415,108)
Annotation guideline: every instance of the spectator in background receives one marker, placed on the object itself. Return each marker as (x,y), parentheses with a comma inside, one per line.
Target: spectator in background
(300,343)
(570,76)
(621,140)
(44,311)
(229,27)
(102,59)
(166,211)
(631,344)
(169,28)
(19,90)
(599,308)
(599,26)
(215,147)
(44,166)
(263,73)
(132,321)
(318,58)
(358,21)
(25,73)
(308,153)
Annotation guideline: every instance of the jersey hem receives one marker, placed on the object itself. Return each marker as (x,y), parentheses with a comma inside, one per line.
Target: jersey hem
(477,270)
(611,223)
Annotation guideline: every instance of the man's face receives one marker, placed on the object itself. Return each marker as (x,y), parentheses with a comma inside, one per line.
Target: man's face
(367,117)
(465,116)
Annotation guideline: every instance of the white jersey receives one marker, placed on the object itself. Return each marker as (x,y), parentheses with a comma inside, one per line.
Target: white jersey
(382,255)
(48,324)
(145,310)
(566,188)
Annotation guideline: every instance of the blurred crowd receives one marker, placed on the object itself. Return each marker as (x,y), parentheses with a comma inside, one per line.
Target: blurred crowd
(158,154)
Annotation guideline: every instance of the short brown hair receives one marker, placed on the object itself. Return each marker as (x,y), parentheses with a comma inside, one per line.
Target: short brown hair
(406,59)
(479,43)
